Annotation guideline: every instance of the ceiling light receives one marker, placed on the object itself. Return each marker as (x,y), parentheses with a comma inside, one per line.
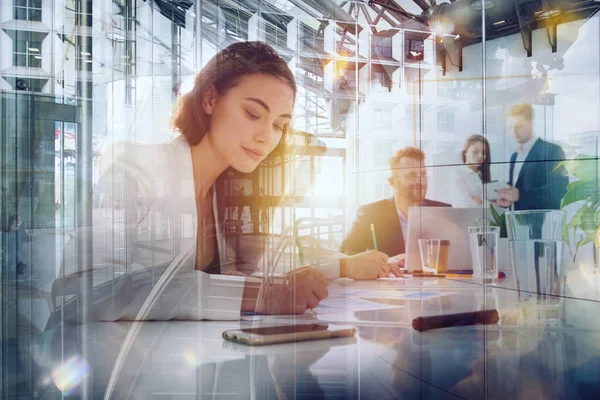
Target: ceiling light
(85,53)
(88,61)
(499,23)
(115,37)
(415,53)
(479,4)
(34,49)
(38,57)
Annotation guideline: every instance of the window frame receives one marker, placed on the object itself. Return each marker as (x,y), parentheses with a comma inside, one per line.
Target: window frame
(381,45)
(82,60)
(29,8)
(80,17)
(28,54)
(445,122)
(414,45)
(384,80)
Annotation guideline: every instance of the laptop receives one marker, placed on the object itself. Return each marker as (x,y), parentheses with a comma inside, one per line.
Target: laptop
(445,223)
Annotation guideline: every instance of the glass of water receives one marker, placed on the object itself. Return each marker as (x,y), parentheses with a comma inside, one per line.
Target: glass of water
(535,240)
(483,242)
(430,254)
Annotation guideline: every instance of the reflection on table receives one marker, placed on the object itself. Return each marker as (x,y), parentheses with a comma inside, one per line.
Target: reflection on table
(387,359)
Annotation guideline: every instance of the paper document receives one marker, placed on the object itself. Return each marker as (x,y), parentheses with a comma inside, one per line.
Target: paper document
(491,188)
(349,304)
(395,294)
(333,308)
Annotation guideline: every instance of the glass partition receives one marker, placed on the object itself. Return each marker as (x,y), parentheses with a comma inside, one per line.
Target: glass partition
(82,81)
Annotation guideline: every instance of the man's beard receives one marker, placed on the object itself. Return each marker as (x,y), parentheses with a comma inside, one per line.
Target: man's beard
(412,194)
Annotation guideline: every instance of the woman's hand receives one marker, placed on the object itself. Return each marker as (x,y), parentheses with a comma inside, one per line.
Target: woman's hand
(234,273)
(396,263)
(368,265)
(303,290)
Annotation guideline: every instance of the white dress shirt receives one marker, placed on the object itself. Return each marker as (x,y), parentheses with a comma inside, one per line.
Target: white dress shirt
(522,153)
(469,185)
(403,221)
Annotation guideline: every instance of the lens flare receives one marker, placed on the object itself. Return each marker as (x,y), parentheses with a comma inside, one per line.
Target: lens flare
(190,358)
(70,374)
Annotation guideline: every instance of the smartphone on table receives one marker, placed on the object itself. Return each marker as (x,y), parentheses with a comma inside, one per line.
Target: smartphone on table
(288,333)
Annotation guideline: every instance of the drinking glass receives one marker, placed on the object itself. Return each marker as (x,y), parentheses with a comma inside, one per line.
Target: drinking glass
(535,241)
(430,254)
(483,242)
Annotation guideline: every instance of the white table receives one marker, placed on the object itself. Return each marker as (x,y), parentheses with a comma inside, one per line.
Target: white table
(387,359)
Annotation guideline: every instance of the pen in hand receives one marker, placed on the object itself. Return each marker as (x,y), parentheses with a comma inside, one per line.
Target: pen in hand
(374,237)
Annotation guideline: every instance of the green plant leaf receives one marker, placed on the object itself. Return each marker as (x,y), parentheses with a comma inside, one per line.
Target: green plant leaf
(574,184)
(503,230)
(576,220)
(495,214)
(576,191)
(582,167)
(587,223)
(597,217)
(498,220)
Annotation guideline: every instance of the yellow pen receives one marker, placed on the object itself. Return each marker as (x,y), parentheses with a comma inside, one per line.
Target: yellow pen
(374,237)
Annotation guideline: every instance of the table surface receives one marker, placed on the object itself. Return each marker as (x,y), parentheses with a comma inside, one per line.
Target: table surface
(386,359)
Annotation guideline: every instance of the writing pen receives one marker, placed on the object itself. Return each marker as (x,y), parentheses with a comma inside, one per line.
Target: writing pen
(484,317)
(463,273)
(374,237)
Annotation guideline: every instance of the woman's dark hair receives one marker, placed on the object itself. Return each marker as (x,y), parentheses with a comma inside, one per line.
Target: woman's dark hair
(484,168)
(224,71)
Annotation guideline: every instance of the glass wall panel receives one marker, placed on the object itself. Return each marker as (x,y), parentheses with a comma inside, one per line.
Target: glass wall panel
(406,112)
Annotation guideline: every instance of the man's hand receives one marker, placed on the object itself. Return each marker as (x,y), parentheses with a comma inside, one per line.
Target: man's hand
(397,262)
(511,194)
(304,291)
(502,203)
(369,265)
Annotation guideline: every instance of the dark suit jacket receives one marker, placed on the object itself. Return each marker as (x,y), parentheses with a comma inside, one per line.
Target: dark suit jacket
(540,184)
(383,215)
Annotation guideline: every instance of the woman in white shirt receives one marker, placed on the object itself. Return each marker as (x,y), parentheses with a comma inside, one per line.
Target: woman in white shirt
(237,113)
(474,173)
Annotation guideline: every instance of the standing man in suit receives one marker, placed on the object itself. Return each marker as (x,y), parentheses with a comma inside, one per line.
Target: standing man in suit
(408,178)
(535,182)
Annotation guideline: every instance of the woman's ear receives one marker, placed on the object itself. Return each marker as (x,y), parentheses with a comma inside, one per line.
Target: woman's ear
(209,99)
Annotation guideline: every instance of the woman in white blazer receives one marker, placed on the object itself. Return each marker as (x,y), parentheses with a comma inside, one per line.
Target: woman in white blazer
(236,114)
(474,172)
